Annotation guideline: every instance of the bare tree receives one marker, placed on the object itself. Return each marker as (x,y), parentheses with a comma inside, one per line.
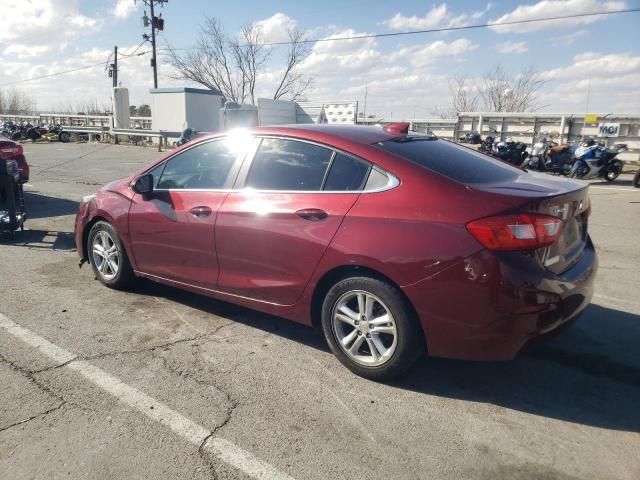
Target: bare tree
(497,91)
(293,83)
(13,102)
(84,107)
(464,97)
(501,91)
(231,66)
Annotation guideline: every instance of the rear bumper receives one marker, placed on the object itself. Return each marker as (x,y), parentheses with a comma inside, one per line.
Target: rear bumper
(489,307)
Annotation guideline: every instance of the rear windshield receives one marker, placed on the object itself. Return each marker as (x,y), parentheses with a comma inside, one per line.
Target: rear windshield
(458,163)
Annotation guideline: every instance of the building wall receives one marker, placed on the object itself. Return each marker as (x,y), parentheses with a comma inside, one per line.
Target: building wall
(203,112)
(168,111)
(276,112)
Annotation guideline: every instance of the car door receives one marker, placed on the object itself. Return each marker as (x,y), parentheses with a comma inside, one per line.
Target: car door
(272,233)
(172,229)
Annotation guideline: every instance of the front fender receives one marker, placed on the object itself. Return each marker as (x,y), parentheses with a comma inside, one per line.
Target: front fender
(108,205)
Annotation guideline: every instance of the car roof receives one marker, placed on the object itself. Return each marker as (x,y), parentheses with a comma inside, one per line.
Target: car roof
(350,133)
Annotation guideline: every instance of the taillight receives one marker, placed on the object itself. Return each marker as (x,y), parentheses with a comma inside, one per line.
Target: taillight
(526,231)
(10,150)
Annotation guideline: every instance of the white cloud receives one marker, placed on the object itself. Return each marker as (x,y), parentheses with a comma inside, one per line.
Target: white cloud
(569,38)
(276,27)
(553,8)
(590,64)
(437,16)
(613,82)
(42,26)
(124,8)
(421,55)
(512,47)
(344,57)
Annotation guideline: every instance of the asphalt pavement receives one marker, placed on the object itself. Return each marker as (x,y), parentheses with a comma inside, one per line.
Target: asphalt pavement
(160,383)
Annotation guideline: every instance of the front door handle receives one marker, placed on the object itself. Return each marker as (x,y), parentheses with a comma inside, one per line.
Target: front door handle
(312,214)
(201,211)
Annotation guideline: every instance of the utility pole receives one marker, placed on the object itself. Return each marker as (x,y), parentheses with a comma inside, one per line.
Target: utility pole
(115,66)
(154,64)
(157,24)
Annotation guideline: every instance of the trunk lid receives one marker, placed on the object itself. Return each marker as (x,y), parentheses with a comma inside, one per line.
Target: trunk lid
(566,199)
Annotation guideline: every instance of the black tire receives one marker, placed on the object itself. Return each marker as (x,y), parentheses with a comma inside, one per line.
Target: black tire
(613,171)
(636,179)
(124,278)
(410,338)
(64,137)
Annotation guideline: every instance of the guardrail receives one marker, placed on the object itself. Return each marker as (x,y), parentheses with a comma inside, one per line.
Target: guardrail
(161,135)
(67,120)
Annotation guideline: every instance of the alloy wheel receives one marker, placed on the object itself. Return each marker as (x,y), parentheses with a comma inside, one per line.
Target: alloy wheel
(364,328)
(105,255)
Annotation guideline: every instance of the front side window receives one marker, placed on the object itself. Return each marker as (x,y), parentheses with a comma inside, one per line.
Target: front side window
(283,164)
(205,166)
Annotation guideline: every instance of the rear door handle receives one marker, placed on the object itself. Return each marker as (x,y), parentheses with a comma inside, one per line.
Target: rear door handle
(312,214)
(201,211)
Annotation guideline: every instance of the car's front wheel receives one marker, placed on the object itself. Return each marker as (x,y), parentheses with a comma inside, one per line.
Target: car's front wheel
(108,258)
(370,328)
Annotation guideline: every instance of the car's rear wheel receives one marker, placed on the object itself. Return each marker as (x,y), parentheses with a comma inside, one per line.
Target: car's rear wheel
(108,258)
(370,328)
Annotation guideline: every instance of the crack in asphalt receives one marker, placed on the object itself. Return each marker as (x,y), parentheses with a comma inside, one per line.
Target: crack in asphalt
(33,417)
(116,353)
(230,401)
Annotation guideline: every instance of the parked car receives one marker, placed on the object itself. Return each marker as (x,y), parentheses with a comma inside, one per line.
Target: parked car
(391,242)
(13,150)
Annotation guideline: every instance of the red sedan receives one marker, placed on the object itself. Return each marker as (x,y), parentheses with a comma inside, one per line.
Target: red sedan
(391,242)
(10,150)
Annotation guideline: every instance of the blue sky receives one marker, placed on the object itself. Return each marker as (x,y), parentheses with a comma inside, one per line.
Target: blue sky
(404,76)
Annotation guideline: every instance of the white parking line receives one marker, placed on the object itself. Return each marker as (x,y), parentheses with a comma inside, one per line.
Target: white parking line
(611,299)
(195,434)
(618,189)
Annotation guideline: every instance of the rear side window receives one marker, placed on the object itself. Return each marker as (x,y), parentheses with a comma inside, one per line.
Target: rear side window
(453,161)
(282,164)
(346,174)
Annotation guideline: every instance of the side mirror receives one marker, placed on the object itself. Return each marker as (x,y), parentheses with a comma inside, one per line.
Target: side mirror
(143,184)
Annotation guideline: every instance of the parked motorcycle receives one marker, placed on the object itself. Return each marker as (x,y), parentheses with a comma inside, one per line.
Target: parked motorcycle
(473,138)
(549,156)
(509,151)
(593,159)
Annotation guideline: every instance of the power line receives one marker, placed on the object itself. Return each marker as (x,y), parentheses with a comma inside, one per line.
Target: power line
(358,37)
(63,72)
(134,52)
(451,29)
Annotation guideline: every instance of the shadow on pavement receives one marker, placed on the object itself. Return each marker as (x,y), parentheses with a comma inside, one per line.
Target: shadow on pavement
(43,206)
(41,239)
(589,375)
